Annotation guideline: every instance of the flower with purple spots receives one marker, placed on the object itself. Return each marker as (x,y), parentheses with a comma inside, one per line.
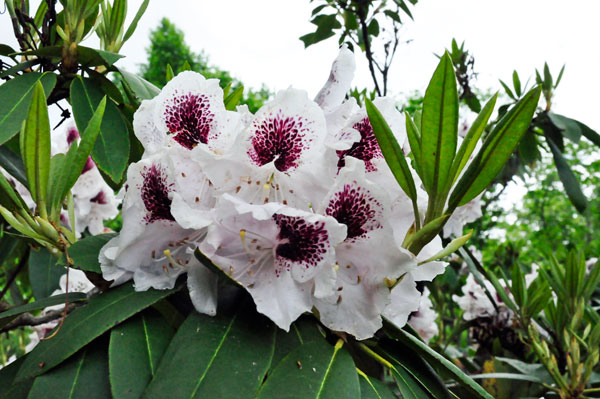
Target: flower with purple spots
(279,254)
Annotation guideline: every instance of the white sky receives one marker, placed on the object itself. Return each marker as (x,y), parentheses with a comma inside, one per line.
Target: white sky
(257,41)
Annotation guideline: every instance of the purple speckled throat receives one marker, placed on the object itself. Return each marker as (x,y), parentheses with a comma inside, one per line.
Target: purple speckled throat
(300,242)
(281,139)
(190,119)
(155,195)
(366,149)
(355,207)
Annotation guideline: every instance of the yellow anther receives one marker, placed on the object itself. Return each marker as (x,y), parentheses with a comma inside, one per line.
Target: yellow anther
(390,283)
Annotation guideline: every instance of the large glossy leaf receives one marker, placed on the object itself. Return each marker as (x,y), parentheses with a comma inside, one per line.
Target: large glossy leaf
(215,357)
(85,55)
(569,127)
(370,388)
(496,150)
(10,390)
(15,96)
(44,273)
(84,375)
(84,252)
(13,164)
(111,151)
(316,370)
(438,361)
(35,145)
(135,349)
(439,126)
(84,324)
(302,331)
(391,150)
(233,99)
(568,179)
(43,303)
(140,86)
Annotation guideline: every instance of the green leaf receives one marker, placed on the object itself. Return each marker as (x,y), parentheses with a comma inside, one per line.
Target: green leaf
(234,98)
(136,19)
(371,388)
(84,252)
(391,150)
(7,375)
(508,376)
(589,134)
(452,247)
(560,74)
(373,28)
(302,331)
(518,287)
(215,357)
(404,7)
(436,360)
(84,324)
(569,127)
(135,349)
(547,77)
(169,74)
(568,179)
(44,273)
(111,150)
(13,164)
(42,303)
(427,232)
(84,375)
(15,97)
(414,139)
(315,370)
(496,150)
(516,83)
(508,90)
(86,56)
(439,127)
(18,68)
(528,148)
(140,86)
(35,139)
(391,14)
(472,138)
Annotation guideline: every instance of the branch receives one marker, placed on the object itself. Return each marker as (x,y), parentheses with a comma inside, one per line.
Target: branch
(368,52)
(13,276)
(27,319)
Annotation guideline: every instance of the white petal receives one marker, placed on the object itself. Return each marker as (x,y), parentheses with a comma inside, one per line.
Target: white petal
(340,79)
(202,285)
(405,299)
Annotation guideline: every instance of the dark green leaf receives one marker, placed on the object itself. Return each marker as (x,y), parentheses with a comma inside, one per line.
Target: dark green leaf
(15,97)
(373,28)
(135,20)
(439,127)
(404,7)
(317,9)
(547,77)
(437,361)
(107,86)
(508,376)
(589,134)
(394,156)
(393,15)
(302,331)
(568,179)
(569,127)
(111,150)
(560,74)
(35,139)
(85,324)
(44,273)
(135,349)
(508,91)
(215,357)
(84,375)
(13,164)
(84,252)
(516,83)
(140,86)
(350,20)
(85,56)
(371,388)
(43,303)
(496,150)
(315,370)
(18,68)
(528,148)
(7,375)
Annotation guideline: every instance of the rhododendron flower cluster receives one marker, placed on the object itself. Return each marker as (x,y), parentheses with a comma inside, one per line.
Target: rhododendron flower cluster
(295,203)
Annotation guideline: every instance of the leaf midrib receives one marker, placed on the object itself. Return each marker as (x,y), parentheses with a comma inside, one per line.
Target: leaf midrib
(327,371)
(19,101)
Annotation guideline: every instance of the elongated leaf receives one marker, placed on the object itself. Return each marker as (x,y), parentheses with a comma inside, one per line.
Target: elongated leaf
(84,375)
(135,20)
(436,360)
(84,252)
(84,324)
(568,179)
(36,145)
(18,68)
(135,349)
(569,127)
(496,150)
(508,376)
(391,150)
(44,273)
(85,55)
(111,150)
(234,98)
(43,303)
(370,388)
(472,138)
(15,97)
(302,331)
(589,134)
(7,375)
(315,370)
(452,247)
(140,86)
(13,164)
(414,139)
(439,127)
(215,357)
(409,388)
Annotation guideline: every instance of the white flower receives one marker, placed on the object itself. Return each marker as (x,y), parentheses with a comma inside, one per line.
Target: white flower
(279,254)
(367,259)
(188,112)
(424,319)
(277,156)
(20,189)
(469,212)
(340,78)
(474,302)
